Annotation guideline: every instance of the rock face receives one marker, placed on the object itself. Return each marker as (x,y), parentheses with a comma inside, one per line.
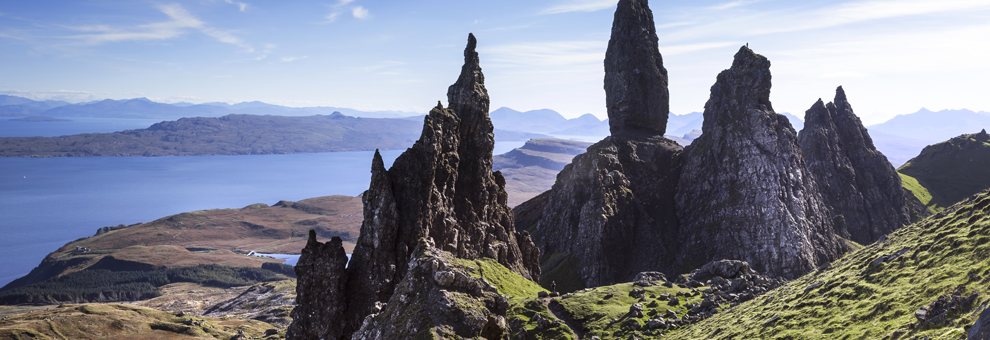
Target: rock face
(981,328)
(319,290)
(858,184)
(439,297)
(611,213)
(442,189)
(636,93)
(745,193)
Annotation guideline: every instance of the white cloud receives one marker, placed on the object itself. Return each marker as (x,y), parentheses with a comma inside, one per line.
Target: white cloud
(732,4)
(240,5)
(331,17)
(580,6)
(360,13)
(181,22)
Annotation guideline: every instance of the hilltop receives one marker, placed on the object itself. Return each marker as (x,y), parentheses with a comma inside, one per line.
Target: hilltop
(950,171)
(531,169)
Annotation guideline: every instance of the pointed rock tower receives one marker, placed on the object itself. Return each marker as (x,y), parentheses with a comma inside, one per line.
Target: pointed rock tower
(636,93)
(745,193)
(610,215)
(441,189)
(859,186)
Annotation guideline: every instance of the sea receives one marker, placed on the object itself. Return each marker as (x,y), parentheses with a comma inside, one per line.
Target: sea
(48,202)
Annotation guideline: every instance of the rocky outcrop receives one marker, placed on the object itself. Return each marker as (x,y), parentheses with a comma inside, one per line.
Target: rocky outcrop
(439,299)
(981,328)
(442,189)
(319,290)
(636,93)
(611,213)
(858,185)
(745,193)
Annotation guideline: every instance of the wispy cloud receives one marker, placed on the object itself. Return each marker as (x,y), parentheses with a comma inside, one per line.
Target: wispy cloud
(552,54)
(242,6)
(180,23)
(341,7)
(360,13)
(685,48)
(579,6)
(732,4)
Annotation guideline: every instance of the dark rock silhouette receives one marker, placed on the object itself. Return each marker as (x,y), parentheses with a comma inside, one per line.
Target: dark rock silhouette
(319,290)
(636,93)
(442,189)
(858,184)
(745,193)
(610,215)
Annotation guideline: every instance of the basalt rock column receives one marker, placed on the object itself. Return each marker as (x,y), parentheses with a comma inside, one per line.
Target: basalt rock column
(611,214)
(319,290)
(744,192)
(636,93)
(858,184)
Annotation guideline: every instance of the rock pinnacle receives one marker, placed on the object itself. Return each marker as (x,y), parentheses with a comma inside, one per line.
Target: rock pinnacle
(636,93)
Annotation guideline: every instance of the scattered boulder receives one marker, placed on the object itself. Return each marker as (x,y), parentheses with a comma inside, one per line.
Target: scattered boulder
(647,279)
(935,314)
(636,310)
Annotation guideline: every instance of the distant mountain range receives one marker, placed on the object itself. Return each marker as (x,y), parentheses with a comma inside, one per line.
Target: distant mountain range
(145,108)
(899,138)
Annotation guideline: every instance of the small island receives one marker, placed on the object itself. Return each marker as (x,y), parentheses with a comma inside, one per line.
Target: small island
(39,119)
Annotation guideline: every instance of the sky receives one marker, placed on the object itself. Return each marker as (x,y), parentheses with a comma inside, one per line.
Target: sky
(891,56)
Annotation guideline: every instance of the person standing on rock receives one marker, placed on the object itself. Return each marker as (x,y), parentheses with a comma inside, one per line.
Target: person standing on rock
(553,287)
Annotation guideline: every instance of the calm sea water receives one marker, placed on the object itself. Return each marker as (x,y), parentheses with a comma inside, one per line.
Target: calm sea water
(47,202)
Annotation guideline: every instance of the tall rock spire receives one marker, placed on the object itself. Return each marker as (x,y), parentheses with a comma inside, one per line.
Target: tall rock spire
(859,186)
(441,189)
(744,191)
(610,215)
(636,93)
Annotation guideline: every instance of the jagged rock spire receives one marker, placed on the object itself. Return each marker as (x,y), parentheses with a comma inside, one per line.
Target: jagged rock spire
(859,186)
(319,290)
(441,189)
(744,192)
(635,80)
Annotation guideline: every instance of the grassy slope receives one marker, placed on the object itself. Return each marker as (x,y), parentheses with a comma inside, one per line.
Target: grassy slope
(218,236)
(113,321)
(585,306)
(951,171)
(858,301)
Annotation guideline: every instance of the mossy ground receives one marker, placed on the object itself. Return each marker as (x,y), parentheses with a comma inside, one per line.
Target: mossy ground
(853,299)
(915,188)
(526,308)
(507,282)
(586,306)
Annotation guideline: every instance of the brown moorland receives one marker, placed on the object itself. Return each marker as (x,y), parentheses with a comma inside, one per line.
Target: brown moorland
(217,236)
(117,321)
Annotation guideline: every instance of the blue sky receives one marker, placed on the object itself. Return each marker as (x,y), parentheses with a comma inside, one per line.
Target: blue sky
(892,57)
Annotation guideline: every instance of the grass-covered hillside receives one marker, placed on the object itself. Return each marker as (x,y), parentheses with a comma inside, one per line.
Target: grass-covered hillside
(948,172)
(938,269)
(207,247)
(112,321)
